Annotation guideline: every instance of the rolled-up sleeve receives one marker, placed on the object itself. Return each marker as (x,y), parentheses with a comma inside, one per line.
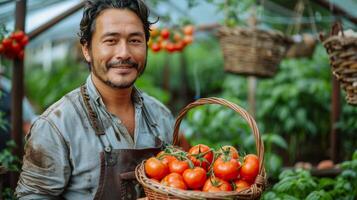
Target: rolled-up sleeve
(46,168)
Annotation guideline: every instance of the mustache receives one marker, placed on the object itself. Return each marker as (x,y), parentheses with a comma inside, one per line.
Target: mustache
(120,63)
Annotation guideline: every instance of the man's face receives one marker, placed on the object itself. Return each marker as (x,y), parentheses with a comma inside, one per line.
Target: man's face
(118,48)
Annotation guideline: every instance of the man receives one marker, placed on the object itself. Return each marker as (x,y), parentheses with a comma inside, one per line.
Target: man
(87,144)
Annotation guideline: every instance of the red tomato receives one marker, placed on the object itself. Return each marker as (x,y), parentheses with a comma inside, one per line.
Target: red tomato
(188,39)
(177,36)
(7,43)
(188,30)
(241,185)
(170,47)
(226,168)
(230,151)
(179,46)
(16,48)
(165,33)
(21,55)
(155,47)
(250,168)
(24,41)
(178,166)
(18,35)
(156,169)
(215,184)
(194,178)
(154,31)
(163,44)
(201,155)
(165,158)
(174,180)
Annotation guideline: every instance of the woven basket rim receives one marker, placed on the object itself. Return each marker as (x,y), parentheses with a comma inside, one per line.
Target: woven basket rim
(344,40)
(192,194)
(256,188)
(251,32)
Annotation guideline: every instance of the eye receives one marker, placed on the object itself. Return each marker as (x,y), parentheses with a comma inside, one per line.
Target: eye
(110,41)
(135,41)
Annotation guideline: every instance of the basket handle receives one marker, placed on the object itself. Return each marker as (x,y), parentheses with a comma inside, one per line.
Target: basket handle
(215,100)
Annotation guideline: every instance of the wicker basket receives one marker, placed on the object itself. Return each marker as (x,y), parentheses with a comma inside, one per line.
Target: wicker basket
(154,190)
(248,51)
(342,51)
(304,47)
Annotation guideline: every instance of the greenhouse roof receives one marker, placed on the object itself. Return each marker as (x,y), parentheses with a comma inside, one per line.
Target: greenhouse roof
(40,11)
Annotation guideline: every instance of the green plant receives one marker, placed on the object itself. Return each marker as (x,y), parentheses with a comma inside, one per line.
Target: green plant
(44,87)
(293,102)
(299,184)
(7,159)
(232,9)
(8,194)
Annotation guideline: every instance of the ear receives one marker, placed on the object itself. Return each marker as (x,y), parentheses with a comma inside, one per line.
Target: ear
(86,54)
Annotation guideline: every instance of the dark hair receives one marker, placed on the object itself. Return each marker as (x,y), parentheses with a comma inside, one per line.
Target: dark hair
(94,7)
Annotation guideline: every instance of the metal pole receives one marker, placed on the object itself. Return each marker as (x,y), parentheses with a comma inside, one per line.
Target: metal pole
(252,88)
(55,20)
(335,115)
(17,92)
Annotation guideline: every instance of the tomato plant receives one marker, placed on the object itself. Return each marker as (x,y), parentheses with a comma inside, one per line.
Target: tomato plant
(165,33)
(188,29)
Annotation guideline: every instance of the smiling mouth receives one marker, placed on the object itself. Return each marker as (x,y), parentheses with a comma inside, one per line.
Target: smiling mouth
(122,69)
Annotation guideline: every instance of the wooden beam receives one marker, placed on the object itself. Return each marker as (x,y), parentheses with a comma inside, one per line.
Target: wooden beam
(17,90)
(335,116)
(55,20)
(336,10)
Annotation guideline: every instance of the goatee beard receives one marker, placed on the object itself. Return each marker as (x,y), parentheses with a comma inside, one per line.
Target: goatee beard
(119,86)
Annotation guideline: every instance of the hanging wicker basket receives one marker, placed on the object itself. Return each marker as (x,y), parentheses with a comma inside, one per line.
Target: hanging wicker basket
(304,47)
(156,191)
(342,51)
(250,51)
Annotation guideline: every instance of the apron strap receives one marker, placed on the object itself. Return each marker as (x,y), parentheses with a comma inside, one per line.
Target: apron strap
(93,117)
(94,120)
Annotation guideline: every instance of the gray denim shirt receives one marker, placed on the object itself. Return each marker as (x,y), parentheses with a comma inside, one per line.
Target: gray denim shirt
(62,150)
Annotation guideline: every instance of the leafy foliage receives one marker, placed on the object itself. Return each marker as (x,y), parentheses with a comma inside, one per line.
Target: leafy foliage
(44,87)
(299,184)
(7,159)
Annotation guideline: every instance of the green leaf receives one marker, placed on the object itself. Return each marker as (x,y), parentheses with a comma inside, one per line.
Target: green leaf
(319,195)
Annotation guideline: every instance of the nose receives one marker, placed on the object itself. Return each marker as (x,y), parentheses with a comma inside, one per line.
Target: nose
(122,51)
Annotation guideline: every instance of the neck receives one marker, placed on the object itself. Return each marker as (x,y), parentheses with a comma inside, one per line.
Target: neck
(115,99)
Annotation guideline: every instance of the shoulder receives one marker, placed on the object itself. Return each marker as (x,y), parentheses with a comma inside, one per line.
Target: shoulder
(69,101)
(63,114)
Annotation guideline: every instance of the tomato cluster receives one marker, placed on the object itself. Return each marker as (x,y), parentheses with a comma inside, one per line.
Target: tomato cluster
(170,40)
(203,168)
(13,46)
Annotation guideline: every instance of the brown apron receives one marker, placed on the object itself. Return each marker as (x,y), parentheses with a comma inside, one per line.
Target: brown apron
(117,177)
